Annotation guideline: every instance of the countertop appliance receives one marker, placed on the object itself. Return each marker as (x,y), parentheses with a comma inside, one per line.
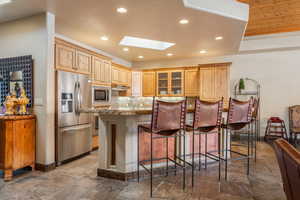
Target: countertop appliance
(73,128)
(101,95)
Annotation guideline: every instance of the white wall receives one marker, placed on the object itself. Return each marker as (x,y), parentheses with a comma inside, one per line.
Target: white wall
(272,60)
(278,73)
(32,36)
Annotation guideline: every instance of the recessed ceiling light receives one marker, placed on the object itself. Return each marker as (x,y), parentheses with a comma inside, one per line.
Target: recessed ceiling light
(122,10)
(219,38)
(125,49)
(145,43)
(184,21)
(203,51)
(2,2)
(169,54)
(141,57)
(105,38)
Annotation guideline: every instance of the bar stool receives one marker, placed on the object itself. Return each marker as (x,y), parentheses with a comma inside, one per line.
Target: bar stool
(239,116)
(207,117)
(168,120)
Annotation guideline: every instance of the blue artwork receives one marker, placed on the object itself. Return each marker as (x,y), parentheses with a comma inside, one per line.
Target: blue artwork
(16,64)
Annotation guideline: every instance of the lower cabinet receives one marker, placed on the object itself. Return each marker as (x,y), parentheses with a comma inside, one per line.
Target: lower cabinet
(17,143)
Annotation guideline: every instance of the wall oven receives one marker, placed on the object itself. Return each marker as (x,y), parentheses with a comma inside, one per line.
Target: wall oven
(101,95)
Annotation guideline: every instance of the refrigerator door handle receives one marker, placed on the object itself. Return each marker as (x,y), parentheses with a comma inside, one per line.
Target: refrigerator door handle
(76,98)
(79,97)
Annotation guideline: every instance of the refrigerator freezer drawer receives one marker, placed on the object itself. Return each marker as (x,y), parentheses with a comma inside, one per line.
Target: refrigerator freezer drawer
(74,141)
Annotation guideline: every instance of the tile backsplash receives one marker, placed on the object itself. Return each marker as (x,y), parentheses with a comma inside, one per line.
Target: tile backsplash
(142,102)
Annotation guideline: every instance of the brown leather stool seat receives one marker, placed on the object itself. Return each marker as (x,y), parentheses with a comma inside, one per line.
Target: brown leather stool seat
(147,128)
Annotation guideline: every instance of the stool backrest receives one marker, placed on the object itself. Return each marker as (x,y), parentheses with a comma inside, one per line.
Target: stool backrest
(294,118)
(207,114)
(289,163)
(168,116)
(239,111)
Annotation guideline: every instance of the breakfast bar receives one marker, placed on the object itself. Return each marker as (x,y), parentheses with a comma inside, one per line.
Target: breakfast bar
(118,152)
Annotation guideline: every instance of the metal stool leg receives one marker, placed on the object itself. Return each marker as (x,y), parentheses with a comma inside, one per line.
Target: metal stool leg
(205,150)
(193,157)
(226,153)
(219,152)
(167,152)
(138,155)
(248,151)
(200,162)
(151,165)
(184,159)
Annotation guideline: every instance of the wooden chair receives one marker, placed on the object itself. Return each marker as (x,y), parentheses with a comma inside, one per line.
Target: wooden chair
(289,163)
(294,122)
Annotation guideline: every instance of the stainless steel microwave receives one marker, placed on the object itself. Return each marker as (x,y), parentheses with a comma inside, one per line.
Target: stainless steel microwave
(101,95)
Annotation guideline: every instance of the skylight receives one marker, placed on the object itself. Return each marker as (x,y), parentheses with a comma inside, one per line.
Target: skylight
(145,43)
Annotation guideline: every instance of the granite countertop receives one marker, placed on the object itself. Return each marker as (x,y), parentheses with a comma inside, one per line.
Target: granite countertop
(125,111)
(119,111)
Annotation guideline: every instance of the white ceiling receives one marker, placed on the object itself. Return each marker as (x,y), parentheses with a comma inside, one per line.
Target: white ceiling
(88,20)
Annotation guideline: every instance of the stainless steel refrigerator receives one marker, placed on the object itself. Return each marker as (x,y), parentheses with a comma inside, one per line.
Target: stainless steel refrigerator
(73,127)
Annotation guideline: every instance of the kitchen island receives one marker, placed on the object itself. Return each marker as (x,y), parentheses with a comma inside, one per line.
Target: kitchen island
(118,142)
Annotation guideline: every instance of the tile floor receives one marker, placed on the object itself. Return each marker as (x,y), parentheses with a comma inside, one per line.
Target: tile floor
(78,181)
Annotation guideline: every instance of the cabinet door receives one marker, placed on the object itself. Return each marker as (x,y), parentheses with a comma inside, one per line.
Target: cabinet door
(136,84)
(106,79)
(65,57)
(191,82)
(163,83)
(23,143)
(123,77)
(101,71)
(83,62)
(115,75)
(221,83)
(207,84)
(176,83)
(96,69)
(148,84)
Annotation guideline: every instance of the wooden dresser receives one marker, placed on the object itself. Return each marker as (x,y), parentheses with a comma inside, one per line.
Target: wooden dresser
(17,143)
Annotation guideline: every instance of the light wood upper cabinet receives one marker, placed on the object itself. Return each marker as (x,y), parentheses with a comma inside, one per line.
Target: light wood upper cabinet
(207,84)
(114,74)
(121,75)
(101,71)
(83,62)
(191,82)
(214,83)
(222,83)
(148,84)
(163,83)
(170,83)
(65,57)
(176,83)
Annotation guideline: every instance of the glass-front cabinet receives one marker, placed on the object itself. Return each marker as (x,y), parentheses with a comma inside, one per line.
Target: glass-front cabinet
(170,83)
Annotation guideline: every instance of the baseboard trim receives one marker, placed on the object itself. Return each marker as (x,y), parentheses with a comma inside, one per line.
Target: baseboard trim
(45,168)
